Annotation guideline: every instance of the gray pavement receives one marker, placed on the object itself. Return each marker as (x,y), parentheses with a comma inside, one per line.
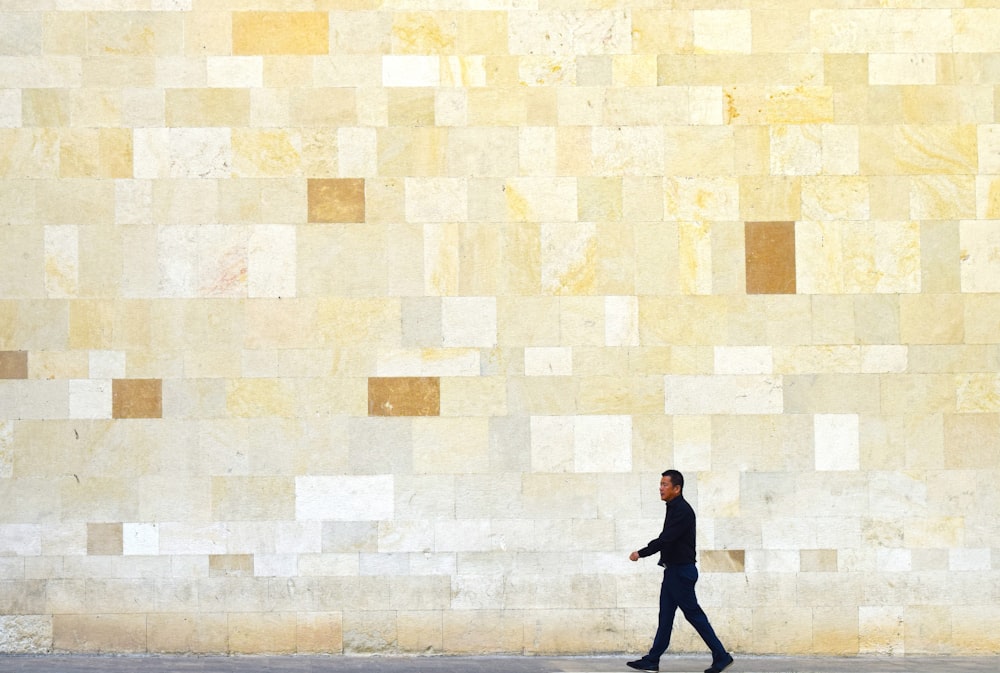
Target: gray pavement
(61,663)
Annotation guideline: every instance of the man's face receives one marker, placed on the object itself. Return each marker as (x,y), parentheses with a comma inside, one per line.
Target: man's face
(667,489)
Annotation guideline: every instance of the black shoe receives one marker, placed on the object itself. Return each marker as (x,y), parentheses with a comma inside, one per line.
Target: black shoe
(719,667)
(644,665)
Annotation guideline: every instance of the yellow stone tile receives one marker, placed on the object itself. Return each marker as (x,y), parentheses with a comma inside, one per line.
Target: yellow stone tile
(274,33)
(250,398)
(931,319)
(134,33)
(259,153)
(424,33)
(764,199)
(917,150)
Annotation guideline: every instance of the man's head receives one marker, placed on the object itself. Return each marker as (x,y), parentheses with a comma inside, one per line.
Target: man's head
(671,485)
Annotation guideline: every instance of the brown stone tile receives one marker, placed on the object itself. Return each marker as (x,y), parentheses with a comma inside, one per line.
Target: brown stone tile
(136,398)
(104,539)
(404,396)
(770,257)
(336,200)
(722,560)
(13,364)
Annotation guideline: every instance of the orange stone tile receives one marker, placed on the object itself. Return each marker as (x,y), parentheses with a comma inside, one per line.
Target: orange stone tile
(404,396)
(13,364)
(770,257)
(275,33)
(137,398)
(104,539)
(336,200)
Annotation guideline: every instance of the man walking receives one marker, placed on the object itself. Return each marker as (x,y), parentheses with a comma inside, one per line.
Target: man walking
(676,545)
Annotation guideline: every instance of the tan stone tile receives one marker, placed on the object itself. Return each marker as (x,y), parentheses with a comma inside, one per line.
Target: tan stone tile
(230,565)
(404,396)
(137,398)
(275,33)
(964,441)
(319,633)
(818,560)
(99,633)
(188,633)
(722,561)
(336,200)
(104,539)
(13,364)
(262,633)
(770,257)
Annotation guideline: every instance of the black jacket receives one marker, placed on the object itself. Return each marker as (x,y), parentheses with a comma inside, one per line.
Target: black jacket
(676,542)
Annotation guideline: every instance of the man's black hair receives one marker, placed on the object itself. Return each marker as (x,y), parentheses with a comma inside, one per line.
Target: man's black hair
(676,478)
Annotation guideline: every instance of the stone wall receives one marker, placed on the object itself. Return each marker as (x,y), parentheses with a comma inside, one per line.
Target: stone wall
(368,325)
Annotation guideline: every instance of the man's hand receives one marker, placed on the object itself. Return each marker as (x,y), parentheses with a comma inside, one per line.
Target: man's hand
(634,556)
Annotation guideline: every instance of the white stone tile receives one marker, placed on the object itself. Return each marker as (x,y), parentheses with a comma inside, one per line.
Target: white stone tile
(20,539)
(722,31)
(10,108)
(106,364)
(772,560)
(140,539)
(894,560)
(90,398)
(969,559)
(276,565)
(410,70)
(902,69)
(235,71)
(744,360)
(884,359)
(621,321)
(344,498)
(837,441)
(469,321)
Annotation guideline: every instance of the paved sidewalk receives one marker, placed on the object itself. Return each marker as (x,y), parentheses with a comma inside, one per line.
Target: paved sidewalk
(605,664)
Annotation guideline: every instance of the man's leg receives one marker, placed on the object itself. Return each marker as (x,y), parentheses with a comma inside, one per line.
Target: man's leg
(665,625)
(687,601)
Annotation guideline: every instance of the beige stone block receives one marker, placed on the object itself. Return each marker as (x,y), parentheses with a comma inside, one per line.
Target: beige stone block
(552,631)
(262,633)
(931,319)
(204,633)
(823,393)
(474,396)
(918,150)
(370,632)
(248,398)
(835,631)
(768,199)
(319,633)
(420,631)
(99,633)
(450,445)
(253,498)
(478,631)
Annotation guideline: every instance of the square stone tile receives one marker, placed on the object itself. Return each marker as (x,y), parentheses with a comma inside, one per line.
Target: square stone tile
(137,398)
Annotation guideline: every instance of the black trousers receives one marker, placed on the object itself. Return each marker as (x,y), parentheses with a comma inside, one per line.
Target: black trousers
(677,591)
